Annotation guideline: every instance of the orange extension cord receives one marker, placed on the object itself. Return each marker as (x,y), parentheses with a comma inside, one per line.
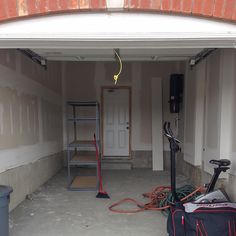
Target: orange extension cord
(156,196)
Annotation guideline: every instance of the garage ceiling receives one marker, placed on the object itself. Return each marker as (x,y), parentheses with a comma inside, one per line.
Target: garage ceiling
(173,54)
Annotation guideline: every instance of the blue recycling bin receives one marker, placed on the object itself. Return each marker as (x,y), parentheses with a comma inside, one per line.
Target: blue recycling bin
(5,192)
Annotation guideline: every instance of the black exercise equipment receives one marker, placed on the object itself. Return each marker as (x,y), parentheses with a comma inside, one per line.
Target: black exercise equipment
(174,147)
(211,195)
(222,167)
(212,214)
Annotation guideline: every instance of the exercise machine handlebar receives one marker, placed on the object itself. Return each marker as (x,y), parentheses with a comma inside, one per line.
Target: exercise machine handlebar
(174,148)
(169,133)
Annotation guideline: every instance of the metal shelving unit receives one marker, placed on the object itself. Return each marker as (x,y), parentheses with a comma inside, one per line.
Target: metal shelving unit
(80,160)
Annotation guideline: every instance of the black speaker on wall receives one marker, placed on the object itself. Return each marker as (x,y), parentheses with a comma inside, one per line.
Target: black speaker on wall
(176,92)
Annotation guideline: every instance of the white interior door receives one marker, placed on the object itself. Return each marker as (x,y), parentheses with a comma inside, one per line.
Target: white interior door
(116,122)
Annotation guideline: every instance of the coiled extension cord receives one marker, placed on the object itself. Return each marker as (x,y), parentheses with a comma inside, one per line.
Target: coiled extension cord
(161,199)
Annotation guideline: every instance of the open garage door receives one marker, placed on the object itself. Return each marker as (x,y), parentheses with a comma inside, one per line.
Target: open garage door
(138,37)
(74,72)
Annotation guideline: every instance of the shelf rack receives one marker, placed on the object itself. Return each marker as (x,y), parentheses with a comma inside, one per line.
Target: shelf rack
(84,163)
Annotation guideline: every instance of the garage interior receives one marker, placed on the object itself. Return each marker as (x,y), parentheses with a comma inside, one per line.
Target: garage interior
(34,128)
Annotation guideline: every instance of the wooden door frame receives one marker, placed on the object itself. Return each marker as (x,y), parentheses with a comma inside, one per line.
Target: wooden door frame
(102,117)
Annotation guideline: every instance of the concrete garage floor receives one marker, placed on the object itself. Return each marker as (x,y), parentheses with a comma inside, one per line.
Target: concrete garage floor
(54,211)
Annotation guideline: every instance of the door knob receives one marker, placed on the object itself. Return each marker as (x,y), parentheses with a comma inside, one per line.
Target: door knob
(127,127)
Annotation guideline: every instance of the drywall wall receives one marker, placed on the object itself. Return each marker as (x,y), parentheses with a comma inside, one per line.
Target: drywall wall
(219,107)
(202,110)
(210,133)
(228,112)
(84,81)
(190,106)
(30,110)
(233,142)
(30,123)
(194,113)
(213,100)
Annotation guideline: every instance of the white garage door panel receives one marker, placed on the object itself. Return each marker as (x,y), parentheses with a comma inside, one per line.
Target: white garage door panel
(117,30)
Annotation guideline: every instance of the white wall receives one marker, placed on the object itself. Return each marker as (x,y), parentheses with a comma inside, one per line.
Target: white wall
(228,112)
(30,110)
(190,106)
(194,113)
(85,79)
(220,103)
(210,113)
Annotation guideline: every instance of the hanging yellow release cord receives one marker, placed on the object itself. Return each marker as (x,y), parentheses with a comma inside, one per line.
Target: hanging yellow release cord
(116,76)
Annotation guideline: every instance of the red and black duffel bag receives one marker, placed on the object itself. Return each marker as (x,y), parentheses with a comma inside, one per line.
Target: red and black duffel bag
(192,219)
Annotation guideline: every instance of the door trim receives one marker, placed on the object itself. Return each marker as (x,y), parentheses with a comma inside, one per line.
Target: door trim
(130,115)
